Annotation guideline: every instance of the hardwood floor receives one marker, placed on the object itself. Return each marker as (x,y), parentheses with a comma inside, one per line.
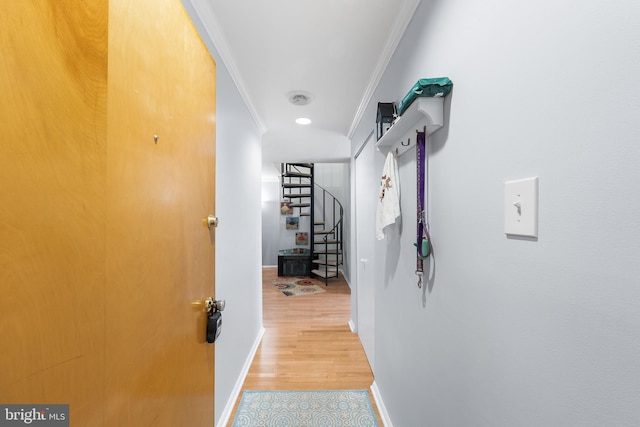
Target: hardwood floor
(307,343)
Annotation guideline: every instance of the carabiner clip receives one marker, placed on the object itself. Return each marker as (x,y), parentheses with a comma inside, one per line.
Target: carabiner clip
(419,274)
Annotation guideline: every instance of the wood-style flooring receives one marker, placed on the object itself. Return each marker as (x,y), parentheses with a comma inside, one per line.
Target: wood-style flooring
(307,343)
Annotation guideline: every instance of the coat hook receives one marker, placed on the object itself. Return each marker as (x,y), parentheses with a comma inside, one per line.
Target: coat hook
(407,144)
(155,138)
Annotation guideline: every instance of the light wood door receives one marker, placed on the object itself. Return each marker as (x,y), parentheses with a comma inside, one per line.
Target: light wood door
(159,261)
(103,255)
(53,123)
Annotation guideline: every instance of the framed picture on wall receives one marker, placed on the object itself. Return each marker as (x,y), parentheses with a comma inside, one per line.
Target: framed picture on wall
(302,238)
(292,223)
(285,209)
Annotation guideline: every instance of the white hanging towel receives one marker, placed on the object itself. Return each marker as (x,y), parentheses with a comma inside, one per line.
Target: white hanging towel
(389,197)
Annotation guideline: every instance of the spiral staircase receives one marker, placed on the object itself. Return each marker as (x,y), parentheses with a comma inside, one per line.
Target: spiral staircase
(308,199)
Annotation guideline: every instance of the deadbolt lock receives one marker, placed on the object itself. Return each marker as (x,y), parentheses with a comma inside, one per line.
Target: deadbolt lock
(211,222)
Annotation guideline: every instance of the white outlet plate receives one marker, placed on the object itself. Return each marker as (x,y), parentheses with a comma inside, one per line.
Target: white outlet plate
(521,207)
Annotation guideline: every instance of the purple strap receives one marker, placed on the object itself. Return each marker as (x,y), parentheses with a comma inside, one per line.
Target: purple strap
(421,229)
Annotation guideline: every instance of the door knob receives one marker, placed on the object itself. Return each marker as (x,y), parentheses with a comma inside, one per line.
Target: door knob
(211,222)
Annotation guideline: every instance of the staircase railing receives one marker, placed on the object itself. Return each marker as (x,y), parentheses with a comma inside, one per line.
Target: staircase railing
(333,214)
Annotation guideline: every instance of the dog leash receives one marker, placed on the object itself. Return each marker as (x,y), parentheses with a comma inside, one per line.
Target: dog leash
(423,243)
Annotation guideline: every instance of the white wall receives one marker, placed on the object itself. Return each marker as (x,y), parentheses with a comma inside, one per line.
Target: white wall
(270,222)
(511,331)
(238,237)
(287,238)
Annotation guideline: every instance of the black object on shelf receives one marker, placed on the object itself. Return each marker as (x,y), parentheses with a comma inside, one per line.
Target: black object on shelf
(385,117)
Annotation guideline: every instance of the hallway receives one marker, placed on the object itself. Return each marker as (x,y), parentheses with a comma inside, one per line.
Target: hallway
(307,343)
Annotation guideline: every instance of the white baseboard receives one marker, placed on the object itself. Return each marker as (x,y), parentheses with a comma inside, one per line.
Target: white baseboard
(382,410)
(228,409)
(345,278)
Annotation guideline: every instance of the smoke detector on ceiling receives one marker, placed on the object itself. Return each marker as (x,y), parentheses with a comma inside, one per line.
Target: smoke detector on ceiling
(299,98)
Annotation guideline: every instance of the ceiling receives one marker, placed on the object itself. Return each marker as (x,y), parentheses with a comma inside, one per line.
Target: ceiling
(333,51)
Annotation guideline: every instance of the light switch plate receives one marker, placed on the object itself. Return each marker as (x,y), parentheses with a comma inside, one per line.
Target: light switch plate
(521,207)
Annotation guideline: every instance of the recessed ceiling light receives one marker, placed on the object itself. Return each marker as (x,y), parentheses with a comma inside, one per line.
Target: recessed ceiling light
(303,121)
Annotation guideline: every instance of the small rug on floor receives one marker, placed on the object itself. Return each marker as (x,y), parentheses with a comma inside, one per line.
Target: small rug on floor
(297,286)
(319,408)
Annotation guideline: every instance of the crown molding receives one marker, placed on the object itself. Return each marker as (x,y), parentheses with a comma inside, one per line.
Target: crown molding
(395,35)
(212,28)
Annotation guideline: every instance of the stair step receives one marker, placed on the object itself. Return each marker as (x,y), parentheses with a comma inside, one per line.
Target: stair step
(318,223)
(299,205)
(304,165)
(325,274)
(332,256)
(296,196)
(291,174)
(329,251)
(296,185)
(328,242)
(332,268)
(322,232)
(325,262)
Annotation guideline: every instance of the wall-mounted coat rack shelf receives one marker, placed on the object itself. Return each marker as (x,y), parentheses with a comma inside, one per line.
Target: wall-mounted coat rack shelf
(396,137)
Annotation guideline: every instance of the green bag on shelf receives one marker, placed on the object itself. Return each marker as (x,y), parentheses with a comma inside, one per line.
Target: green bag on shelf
(439,86)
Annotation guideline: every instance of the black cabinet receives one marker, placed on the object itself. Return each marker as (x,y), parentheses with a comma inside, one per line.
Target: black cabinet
(294,265)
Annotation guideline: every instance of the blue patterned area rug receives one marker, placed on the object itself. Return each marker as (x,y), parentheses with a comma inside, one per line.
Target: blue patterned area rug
(322,408)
